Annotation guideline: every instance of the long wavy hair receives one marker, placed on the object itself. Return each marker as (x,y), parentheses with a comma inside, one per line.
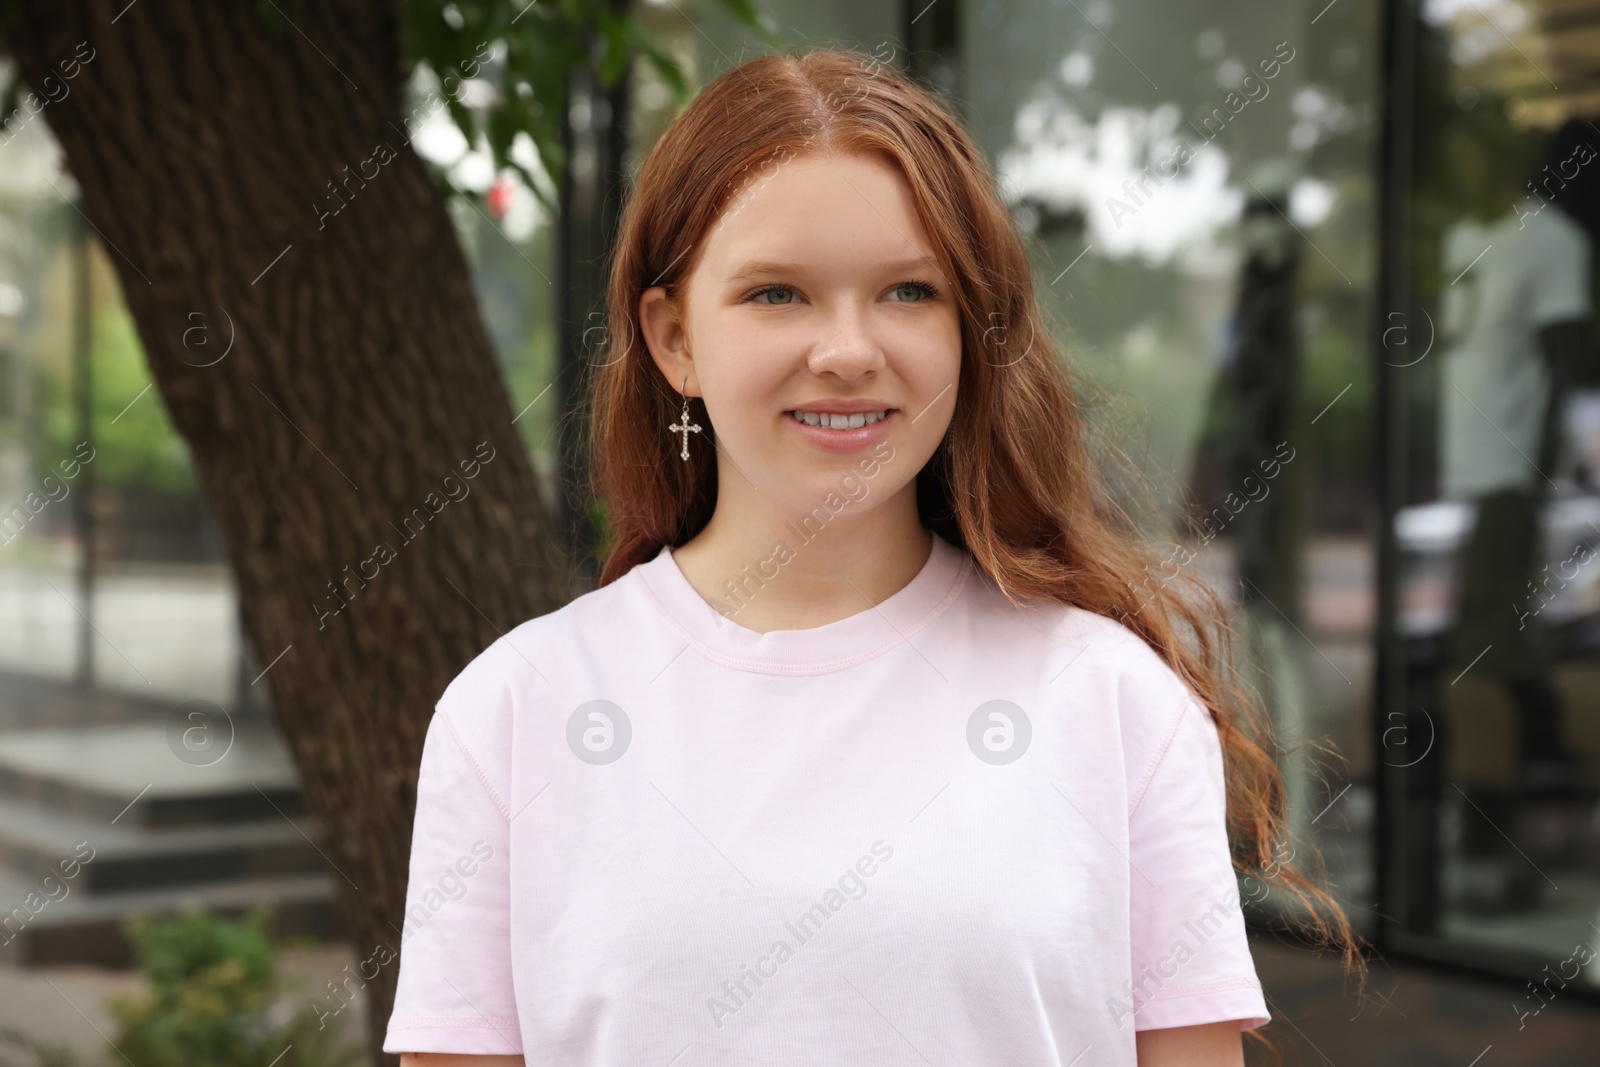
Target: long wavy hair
(1023,481)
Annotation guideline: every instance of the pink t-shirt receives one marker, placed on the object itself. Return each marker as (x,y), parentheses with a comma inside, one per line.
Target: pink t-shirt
(945,829)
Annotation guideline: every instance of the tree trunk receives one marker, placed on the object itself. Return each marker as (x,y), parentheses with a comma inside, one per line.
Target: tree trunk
(209,151)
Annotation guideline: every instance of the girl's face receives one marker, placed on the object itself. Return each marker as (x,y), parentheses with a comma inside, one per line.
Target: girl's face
(815,290)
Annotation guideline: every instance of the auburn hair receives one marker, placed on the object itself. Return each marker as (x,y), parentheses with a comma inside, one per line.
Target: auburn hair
(1024,481)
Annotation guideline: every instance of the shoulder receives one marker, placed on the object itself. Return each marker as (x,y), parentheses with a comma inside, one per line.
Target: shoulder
(1107,654)
(1160,722)
(525,654)
(1116,676)
(1150,694)
(1539,220)
(486,697)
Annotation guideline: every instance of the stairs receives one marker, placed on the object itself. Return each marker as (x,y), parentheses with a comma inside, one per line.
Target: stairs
(100,822)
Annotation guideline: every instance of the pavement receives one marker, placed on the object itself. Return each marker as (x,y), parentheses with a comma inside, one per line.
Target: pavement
(1412,1016)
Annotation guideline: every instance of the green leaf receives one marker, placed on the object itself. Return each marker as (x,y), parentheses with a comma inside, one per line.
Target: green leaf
(540,46)
(758,21)
(665,66)
(616,56)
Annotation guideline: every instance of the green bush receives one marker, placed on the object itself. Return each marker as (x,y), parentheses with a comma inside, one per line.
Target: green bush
(211,999)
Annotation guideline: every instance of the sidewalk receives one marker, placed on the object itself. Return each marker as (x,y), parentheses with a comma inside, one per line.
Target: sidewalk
(1413,1017)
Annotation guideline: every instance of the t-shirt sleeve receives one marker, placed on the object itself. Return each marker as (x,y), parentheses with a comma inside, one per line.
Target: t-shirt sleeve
(454,989)
(1558,286)
(1191,961)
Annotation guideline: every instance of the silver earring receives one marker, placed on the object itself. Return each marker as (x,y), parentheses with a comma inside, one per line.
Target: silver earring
(683,425)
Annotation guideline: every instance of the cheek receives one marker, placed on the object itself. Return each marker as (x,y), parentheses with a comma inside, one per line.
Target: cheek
(744,373)
(931,367)
(758,354)
(930,356)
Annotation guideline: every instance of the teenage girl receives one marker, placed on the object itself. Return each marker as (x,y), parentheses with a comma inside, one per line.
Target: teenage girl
(879,743)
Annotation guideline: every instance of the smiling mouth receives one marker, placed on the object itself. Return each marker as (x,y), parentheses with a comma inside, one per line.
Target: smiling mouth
(827,421)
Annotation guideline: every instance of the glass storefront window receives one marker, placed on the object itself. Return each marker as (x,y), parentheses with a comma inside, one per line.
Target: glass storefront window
(111,570)
(1199,185)
(1499,620)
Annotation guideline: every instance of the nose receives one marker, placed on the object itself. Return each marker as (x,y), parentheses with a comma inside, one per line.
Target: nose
(847,347)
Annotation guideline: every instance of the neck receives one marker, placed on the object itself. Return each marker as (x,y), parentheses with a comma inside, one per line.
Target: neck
(766,570)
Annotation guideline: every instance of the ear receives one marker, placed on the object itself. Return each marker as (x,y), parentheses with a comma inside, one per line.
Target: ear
(661,323)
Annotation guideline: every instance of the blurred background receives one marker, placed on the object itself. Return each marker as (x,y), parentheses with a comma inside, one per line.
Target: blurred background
(1337,257)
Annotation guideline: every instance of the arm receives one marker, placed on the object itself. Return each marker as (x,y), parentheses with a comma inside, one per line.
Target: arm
(451,1059)
(1208,1045)
(454,994)
(1565,346)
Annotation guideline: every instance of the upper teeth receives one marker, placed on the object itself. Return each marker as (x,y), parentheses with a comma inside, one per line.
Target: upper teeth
(839,422)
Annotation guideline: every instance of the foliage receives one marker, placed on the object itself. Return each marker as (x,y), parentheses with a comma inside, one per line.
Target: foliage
(526,51)
(522,52)
(135,443)
(605,533)
(210,988)
(211,998)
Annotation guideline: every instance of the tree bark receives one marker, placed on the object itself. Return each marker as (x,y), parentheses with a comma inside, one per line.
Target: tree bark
(359,378)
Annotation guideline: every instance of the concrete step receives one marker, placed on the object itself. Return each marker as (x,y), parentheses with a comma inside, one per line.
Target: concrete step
(143,773)
(100,822)
(105,857)
(80,928)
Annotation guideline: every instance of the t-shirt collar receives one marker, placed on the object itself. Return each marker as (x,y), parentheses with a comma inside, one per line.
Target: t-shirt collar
(818,650)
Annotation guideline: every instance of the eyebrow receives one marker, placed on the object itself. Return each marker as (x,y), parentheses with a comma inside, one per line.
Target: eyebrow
(759,267)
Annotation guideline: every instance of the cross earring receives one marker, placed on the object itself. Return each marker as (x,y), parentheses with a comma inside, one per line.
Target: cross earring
(683,425)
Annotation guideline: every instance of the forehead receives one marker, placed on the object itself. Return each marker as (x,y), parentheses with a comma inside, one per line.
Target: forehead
(822,208)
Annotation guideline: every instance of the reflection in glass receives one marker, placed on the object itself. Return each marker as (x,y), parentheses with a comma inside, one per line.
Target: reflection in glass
(1501,596)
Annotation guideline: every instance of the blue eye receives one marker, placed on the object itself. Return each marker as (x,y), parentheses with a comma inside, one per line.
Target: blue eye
(770,289)
(928,292)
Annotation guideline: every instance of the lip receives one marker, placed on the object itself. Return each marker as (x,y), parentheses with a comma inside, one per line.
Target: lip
(843,440)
